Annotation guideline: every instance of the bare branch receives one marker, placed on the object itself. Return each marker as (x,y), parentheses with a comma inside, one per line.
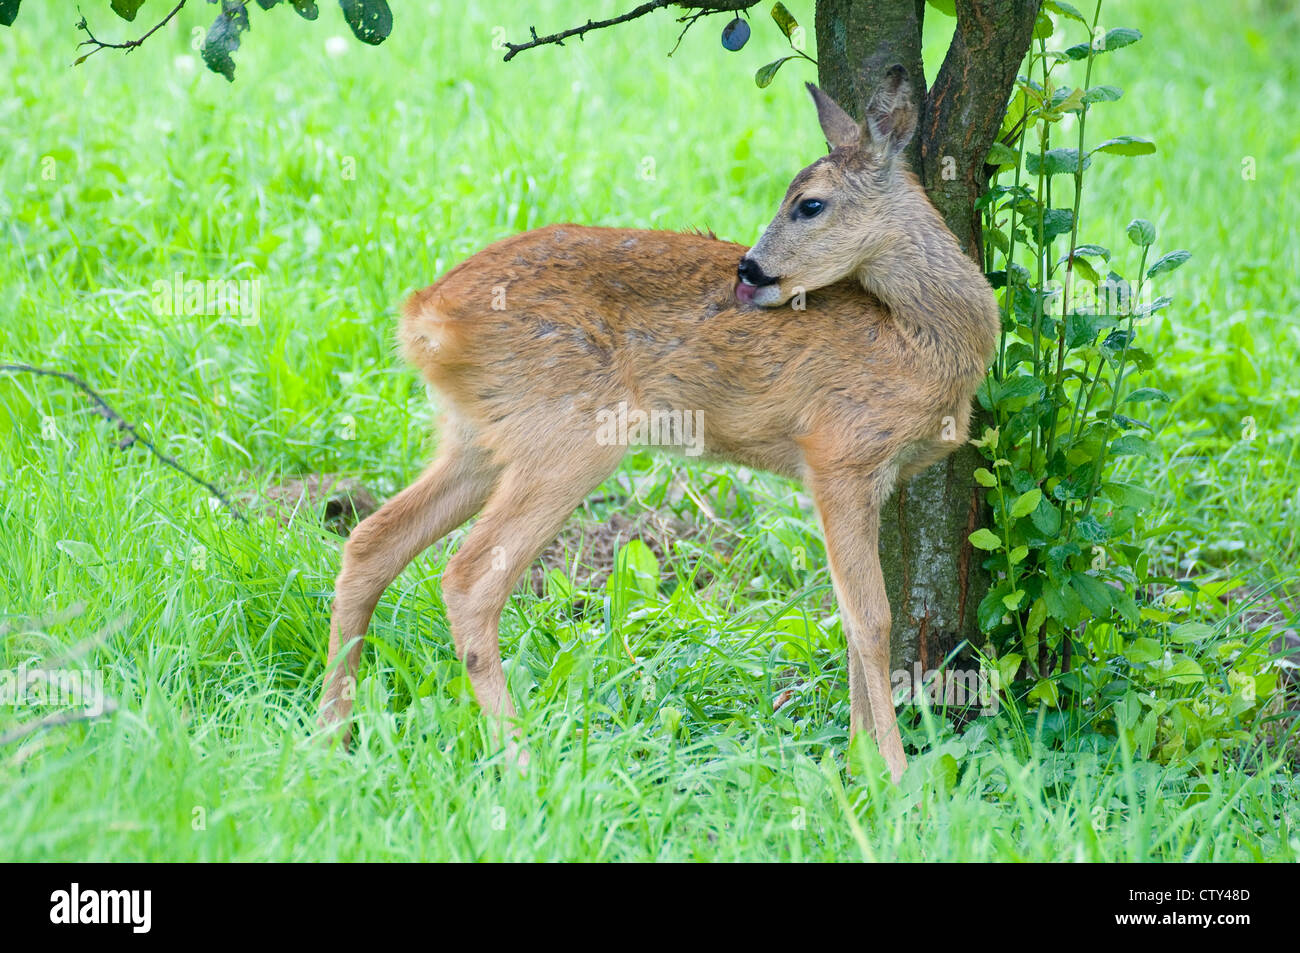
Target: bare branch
(132,435)
(129,45)
(700,8)
(54,720)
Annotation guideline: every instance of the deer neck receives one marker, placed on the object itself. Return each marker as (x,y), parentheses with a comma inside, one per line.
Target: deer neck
(936,294)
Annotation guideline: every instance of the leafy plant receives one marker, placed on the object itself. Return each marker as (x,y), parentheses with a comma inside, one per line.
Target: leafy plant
(1081,618)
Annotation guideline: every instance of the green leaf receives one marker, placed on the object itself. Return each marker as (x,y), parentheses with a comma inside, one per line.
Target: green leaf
(558,586)
(1144,394)
(1001,154)
(670,718)
(1152,307)
(1102,94)
(1182,670)
(635,575)
(1043,26)
(1054,162)
(1067,99)
(1027,503)
(1046,518)
(371,20)
(1130,444)
(1008,665)
(1190,632)
(305,9)
(1115,39)
(1129,494)
(947,7)
(1121,37)
(8,11)
(984,478)
(1063,604)
(991,610)
(985,539)
(1141,232)
(1126,146)
(1066,10)
(784,20)
(638,559)
(1045,691)
(222,39)
(763,78)
(1056,222)
(1093,593)
(1083,328)
(1084,267)
(1089,529)
(1127,710)
(126,9)
(1020,386)
(1099,250)
(1167,263)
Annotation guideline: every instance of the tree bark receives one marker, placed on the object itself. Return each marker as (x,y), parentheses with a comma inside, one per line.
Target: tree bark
(932,573)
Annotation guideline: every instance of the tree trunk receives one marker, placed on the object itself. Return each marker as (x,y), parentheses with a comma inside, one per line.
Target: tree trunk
(931,571)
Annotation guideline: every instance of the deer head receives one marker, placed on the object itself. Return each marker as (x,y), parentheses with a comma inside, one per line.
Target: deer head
(839,212)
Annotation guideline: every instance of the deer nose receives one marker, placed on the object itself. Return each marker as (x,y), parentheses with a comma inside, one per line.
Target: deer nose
(751,273)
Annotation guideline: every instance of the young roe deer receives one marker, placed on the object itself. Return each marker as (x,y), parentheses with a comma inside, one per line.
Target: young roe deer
(534,337)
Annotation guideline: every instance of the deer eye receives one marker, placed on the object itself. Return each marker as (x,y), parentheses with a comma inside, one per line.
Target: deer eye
(810,208)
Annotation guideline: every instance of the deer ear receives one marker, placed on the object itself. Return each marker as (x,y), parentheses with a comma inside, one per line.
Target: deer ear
(891,115)
(837,125)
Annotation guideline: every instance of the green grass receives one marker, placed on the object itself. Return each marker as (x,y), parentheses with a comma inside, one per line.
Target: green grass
(123,171)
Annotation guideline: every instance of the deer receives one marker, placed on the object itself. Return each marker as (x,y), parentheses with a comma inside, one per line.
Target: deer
(865,379)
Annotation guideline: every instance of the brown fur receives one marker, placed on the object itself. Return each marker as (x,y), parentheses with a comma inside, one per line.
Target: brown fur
(528,340)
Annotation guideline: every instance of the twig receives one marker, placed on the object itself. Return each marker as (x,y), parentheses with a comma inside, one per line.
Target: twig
(689,20)
(578,31)
(701,8)
(87,645)
(55,719)
(129,45)
(58,618)
(133,436)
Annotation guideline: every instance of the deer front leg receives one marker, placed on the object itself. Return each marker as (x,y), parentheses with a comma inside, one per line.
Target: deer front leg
(848,503)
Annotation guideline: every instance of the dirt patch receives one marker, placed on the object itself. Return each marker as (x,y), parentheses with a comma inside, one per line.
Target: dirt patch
(586,547)
(339,502)
(1269,609)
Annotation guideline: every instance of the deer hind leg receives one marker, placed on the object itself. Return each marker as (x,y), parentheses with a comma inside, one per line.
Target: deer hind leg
(849,505)
(529,506)
(449,492)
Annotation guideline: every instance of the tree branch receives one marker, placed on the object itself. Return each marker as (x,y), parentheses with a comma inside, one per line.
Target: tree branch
(129,45)
(54,720)
(701,8)
(133,436)
(966,105)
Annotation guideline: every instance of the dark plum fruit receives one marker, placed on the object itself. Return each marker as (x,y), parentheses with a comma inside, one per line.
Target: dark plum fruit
(735,34)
